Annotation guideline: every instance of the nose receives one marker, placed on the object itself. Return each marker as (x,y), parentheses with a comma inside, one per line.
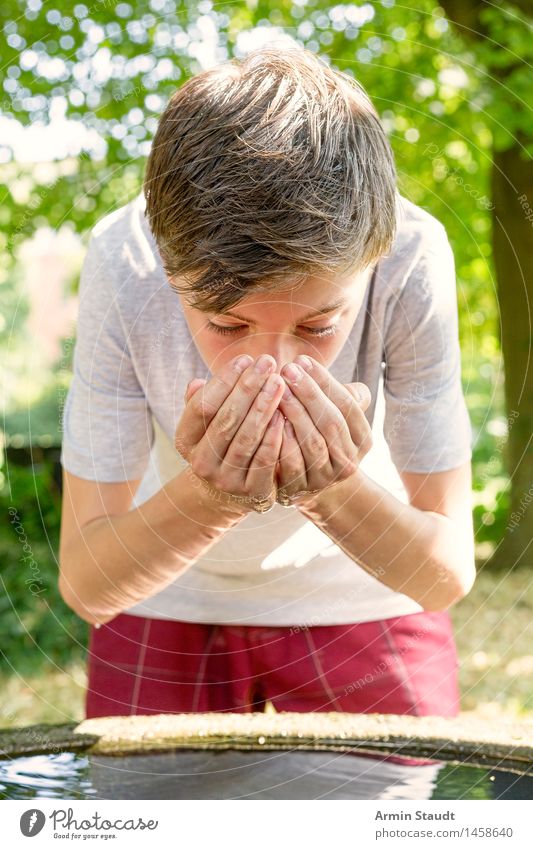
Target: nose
(283,348)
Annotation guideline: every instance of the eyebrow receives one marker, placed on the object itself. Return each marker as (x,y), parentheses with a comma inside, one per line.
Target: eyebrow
(313,314)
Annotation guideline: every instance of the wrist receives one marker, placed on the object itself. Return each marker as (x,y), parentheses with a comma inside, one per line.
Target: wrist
(328,500)
(216,501)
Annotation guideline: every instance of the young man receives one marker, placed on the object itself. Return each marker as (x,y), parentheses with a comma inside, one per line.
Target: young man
(237,321)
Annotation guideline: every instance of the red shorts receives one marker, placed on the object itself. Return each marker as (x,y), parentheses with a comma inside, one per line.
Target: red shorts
(403,665)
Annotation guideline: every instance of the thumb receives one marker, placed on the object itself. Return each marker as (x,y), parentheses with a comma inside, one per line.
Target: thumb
(192,387)
(361,393)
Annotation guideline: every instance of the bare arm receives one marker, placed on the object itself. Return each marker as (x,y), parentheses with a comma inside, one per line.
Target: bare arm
(112,557)
(423,549)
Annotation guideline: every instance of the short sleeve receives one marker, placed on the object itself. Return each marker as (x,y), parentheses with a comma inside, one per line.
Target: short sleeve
(426,422)
(107,428)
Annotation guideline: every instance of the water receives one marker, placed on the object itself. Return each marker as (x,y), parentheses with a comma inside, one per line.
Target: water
(62,776)
(251,775)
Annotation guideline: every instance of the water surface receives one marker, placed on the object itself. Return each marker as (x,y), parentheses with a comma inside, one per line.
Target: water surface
(251,775)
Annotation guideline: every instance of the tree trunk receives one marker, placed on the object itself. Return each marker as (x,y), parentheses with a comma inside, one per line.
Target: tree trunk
(512,189)
(512,233)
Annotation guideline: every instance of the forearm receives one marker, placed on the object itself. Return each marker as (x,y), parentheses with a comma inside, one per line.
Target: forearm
(120,560)
(415,552)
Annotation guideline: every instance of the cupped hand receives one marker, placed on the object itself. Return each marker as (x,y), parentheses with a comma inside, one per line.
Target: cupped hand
(326,433)
(230,430)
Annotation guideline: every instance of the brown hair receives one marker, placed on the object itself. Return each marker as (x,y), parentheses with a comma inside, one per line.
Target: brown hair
(267,171)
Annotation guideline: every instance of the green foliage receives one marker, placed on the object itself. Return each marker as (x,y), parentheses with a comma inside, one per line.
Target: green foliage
(35,623)
(508,50)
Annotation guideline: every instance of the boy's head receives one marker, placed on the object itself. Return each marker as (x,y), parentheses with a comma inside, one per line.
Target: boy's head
(268,175)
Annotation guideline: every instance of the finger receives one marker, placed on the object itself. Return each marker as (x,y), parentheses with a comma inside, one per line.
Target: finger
(338,392)
(361,393)
(312,444)
(352,399)
(206,402)
(253,393)
(261,477)
(325,415)
(192,387)
(236,457)
(292,476)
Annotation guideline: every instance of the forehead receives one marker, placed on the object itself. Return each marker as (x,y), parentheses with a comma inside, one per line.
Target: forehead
(314,293)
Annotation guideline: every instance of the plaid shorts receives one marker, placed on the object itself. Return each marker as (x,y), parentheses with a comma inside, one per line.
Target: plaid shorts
(403,665)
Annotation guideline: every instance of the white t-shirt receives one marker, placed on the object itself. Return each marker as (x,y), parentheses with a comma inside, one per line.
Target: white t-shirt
(134,356)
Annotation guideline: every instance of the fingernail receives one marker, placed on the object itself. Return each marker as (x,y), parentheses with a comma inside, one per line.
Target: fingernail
(287,395)
(275,419)
(263,364)
(271,386)
(305,362)
(292,372)
(242,363)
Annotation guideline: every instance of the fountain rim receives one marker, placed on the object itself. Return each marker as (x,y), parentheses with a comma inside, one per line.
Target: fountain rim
(468,740)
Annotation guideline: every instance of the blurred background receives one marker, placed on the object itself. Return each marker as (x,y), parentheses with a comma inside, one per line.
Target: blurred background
(82,86)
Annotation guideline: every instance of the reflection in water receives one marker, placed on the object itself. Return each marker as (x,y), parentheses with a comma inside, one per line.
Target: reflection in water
(252,775)
(62,776)
(261,775)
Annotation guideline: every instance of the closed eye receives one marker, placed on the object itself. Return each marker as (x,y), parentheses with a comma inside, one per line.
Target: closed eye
(314,331)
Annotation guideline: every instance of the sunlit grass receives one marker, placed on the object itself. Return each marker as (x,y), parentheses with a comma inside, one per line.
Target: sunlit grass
(494,634)
(51,696)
